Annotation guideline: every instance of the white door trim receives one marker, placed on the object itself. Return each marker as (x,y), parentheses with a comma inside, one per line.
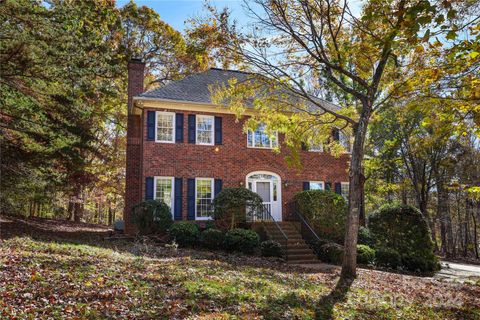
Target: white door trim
(276,206)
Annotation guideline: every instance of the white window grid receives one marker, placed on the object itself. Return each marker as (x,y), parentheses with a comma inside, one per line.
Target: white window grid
(259,139)
(165,127)
(317,185)
(164,190)
(205,129)
(203,198)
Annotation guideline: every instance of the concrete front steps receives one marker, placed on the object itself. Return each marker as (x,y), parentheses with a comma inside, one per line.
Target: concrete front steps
(298,251)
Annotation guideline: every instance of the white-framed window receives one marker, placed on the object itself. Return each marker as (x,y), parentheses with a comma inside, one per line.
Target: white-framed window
(205,129)
(165,127)
(344,140)
(345,188)
(164,190)
(203,198)
(316,147)
(260,139)
(317,185)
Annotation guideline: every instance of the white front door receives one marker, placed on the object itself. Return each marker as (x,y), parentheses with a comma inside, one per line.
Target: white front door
(268,187)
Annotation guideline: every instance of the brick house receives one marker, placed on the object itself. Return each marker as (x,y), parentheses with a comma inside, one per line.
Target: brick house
(183,149)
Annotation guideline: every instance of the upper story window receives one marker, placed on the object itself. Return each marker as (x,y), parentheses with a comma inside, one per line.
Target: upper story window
(317,185)
(344,140)
(165,130)
(204,129)
(316,147)
(260,139)
(345,188)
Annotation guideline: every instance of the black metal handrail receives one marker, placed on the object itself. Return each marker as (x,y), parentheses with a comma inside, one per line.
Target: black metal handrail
(306,229)
(265,216)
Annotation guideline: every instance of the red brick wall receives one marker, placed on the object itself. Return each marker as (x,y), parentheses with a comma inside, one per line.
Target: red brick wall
(233,161)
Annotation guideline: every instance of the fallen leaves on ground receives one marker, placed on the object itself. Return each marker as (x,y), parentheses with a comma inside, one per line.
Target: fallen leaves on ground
(55,278)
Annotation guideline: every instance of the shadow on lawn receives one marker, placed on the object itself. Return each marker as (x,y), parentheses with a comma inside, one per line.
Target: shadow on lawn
(69,232)
(337,295)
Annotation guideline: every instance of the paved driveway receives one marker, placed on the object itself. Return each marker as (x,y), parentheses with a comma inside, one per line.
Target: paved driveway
(458,271)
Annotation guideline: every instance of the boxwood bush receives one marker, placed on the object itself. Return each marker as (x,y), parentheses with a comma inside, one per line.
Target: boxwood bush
(241,240)
(184,233)
(230,206)
(403,229)
(212,238)
(271,248)
(387,258)
(152,217)
(326,212)
(365,254)
(365,237)
(330,252)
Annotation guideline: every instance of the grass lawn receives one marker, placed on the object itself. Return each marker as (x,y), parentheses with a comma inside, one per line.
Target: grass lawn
(48,275)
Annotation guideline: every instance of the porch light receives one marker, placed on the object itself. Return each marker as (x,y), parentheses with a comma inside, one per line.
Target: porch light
(217,149)
(285,183)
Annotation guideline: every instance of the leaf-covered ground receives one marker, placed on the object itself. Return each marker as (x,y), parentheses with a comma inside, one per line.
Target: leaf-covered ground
(44,275)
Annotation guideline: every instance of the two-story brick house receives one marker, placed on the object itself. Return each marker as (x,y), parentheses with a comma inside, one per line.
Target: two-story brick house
(183,149)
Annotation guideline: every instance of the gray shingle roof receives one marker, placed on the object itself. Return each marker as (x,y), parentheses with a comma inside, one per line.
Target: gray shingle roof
(195,87)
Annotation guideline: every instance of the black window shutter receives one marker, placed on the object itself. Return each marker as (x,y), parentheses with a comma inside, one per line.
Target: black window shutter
(336,134)
(304,146)
(177,207)
(151,125)
(217,186)
(191,128)
(338,187)
(179,127)
(306,185)
(218,130)
(328,186)
(149,188)
(191,199)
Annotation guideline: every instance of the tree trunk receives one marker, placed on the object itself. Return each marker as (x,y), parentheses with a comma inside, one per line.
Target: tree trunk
(357,182)
(70,209)
(475,237)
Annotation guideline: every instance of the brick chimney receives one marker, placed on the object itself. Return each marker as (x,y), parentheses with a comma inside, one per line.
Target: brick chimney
(133,176)
(136,69)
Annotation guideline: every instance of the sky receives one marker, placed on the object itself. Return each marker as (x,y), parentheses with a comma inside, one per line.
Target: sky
(177,12)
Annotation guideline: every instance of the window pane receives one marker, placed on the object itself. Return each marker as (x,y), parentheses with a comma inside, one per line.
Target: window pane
(204,130)
(250,138)
(345,190)
(164,190)
(259,138)
(204,198)
(344,140)
(316,185)
(165,127)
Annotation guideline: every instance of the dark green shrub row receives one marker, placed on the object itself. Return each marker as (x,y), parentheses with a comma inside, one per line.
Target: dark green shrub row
(329,252)
(188,234)
(365,254)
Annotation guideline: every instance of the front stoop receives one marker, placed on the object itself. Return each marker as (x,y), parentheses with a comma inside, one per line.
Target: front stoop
(298,250)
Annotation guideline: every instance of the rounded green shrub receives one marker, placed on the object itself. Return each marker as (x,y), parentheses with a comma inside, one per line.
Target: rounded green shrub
(331,252)
(184,233)
(365,237)
(152,217)
(271,248)
(230,207)
(387,258)
(403,229)
(326,212)
(212,238)
(241,240)
(365,254)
